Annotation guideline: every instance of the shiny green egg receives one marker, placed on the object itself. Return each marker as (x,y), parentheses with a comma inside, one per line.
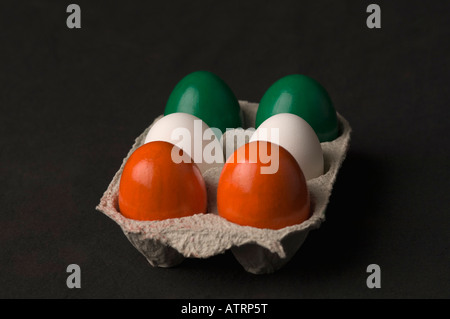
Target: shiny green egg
(206,96)
(305,97)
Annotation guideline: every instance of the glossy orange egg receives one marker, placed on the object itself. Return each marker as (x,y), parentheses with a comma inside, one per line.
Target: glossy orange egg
(250,195)
(154,187)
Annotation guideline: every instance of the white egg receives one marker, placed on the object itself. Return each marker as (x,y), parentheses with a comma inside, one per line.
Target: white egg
(192,135)
(297,137)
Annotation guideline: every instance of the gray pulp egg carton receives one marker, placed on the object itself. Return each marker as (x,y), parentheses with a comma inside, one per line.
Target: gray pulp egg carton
(167,243)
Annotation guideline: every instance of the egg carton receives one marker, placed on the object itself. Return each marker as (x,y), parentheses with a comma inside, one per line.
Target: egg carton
(166,243)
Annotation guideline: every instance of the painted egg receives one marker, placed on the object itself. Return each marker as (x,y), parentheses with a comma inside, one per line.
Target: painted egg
(208,97)
(296,136)
(153,187)
(305,97)
(261,185)
(190,134)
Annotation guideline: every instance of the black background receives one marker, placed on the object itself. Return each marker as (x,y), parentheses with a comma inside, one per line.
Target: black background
(73,100)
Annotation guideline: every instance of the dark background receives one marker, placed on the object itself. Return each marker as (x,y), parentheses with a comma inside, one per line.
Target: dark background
(73,101)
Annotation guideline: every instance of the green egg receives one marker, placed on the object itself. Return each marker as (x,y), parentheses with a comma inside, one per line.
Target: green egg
(206,96)
(305,97)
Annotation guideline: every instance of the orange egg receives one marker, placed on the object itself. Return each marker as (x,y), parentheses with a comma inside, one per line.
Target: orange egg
(154,187)
(262,185)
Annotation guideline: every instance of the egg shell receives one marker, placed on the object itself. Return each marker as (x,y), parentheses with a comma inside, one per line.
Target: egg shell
(192,135)
(166,243)
(261,185)
(301,95)
(148,185)
(207,96)
(297,136)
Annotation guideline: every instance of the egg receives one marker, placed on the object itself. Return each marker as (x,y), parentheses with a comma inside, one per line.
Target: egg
(248,195)
(301,95)
(297,137)
(153,187)
(190,134)
(208,97)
